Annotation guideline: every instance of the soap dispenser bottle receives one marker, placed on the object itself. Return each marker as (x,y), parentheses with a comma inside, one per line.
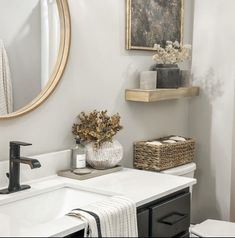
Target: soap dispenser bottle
(78,155)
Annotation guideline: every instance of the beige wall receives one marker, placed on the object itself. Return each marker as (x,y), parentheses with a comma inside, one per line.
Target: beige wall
(98,72)
(232,196)
(211,115)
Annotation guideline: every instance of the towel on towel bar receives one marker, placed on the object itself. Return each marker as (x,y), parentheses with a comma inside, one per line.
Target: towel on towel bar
(113,217)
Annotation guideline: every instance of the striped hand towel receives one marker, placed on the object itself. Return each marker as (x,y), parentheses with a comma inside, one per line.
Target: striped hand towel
(113,217)
(6,96)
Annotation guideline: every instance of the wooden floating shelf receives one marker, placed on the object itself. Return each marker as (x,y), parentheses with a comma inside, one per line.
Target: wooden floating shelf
(139,95)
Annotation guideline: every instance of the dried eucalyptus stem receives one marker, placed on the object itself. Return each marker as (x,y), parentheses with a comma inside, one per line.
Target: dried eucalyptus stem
(97,127)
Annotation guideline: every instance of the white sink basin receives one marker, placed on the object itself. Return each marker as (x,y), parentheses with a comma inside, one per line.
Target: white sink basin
(48,206)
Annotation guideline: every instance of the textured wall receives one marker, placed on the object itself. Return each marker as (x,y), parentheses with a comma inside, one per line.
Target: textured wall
(211,115)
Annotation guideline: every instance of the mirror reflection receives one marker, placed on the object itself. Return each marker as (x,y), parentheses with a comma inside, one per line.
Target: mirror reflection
(29,46)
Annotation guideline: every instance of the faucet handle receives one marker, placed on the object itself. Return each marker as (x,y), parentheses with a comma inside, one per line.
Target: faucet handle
(18,143)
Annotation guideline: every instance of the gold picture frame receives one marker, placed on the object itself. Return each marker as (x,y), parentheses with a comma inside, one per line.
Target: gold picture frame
(129,45)
(65,42)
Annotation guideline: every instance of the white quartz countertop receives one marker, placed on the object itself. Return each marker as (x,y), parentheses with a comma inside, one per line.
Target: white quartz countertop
(140,186)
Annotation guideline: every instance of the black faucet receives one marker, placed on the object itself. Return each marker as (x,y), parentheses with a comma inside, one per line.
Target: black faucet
(14,170)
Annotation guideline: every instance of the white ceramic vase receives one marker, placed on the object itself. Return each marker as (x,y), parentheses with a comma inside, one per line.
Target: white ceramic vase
(107,156)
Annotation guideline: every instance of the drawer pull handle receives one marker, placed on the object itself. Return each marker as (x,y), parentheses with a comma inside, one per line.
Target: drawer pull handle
(173,218)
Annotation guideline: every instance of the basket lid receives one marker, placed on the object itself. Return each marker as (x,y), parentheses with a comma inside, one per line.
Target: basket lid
(181,170)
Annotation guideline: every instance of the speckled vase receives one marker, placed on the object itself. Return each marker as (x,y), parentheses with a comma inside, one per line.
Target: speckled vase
(107,156)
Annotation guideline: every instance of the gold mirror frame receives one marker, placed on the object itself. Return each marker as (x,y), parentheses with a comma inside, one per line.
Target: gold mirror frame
(65,40)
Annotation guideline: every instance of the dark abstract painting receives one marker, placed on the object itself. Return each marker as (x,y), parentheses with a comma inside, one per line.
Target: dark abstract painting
(152,22)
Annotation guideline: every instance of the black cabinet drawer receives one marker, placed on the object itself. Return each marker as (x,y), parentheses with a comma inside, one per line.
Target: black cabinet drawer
(170,218)
(143,223)
(186,235)
(77,234)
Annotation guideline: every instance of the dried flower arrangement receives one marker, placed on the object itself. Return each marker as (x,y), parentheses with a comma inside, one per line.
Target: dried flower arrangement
(97,127)
(173,53)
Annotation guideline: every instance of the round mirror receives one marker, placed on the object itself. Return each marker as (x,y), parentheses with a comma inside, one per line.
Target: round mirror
(34,48)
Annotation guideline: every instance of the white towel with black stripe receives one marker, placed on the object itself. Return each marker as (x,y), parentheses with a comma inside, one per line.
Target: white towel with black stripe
(113,217)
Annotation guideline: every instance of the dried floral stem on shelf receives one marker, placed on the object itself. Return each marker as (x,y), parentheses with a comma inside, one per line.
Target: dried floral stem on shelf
(173,53)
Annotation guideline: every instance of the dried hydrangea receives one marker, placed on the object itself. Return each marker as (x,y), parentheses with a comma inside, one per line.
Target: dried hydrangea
(173,53)
(97,127)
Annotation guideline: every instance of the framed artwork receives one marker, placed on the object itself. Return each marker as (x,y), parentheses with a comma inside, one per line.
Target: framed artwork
(152,22)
